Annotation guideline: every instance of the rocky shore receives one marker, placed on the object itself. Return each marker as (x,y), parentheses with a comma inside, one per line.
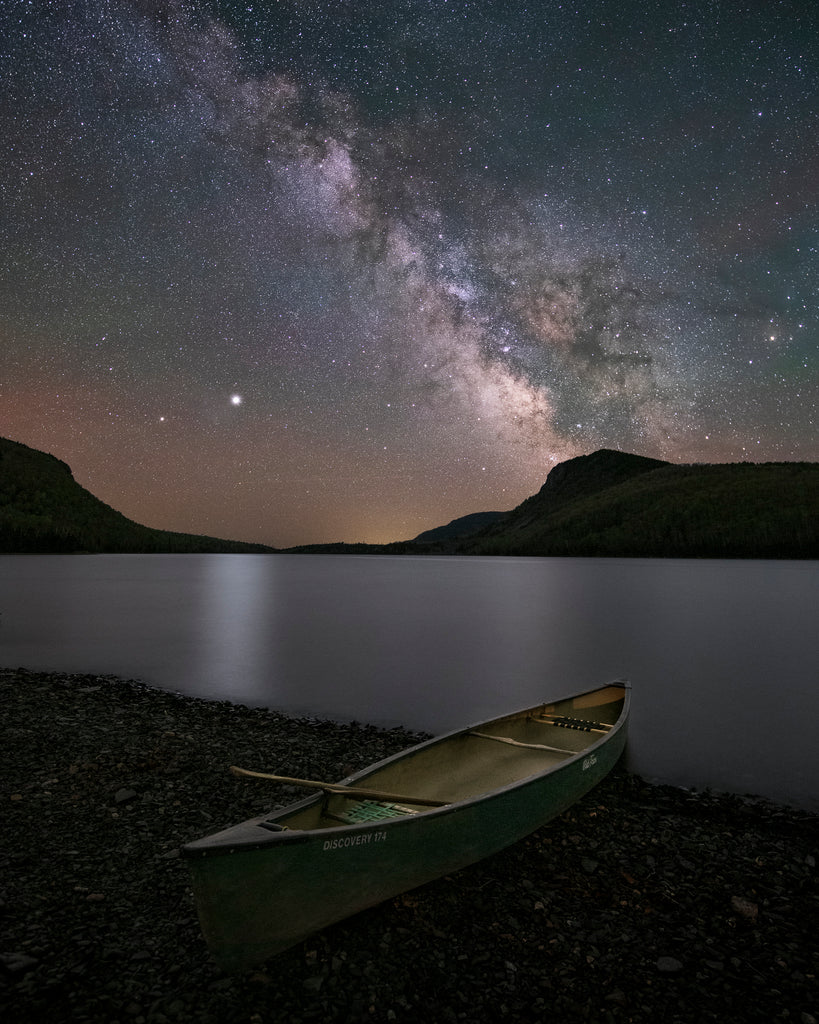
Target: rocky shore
(641,903)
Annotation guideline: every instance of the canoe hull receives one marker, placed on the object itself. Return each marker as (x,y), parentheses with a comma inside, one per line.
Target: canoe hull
(255,902)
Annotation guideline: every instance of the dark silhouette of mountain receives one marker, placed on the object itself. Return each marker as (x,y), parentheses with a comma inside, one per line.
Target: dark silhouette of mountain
(459,528)
(580,478)
(44,509)
(614,504)
(608,503)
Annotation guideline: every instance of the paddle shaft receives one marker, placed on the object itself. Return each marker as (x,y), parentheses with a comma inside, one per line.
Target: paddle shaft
(354,792)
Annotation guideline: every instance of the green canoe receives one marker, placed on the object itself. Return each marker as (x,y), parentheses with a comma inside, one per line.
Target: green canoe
(268,883)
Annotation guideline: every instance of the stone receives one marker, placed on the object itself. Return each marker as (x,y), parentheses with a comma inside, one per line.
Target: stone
(745,908)
(17,963)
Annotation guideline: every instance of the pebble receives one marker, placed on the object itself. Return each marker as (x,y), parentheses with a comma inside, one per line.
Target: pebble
(540,931)
(746,908)
(17,963)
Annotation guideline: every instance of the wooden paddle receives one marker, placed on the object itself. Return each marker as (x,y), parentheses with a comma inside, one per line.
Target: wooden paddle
(354,792)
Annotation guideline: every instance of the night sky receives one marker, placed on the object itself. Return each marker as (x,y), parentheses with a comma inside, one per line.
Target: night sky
(323,270)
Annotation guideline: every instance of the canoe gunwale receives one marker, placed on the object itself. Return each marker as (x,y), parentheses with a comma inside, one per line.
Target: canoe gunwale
(221,843)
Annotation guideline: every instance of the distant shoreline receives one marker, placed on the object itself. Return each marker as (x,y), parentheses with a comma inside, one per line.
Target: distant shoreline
(608,504)
(387,550)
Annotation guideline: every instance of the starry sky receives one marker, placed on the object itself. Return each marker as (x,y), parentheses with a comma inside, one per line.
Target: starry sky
(323,270)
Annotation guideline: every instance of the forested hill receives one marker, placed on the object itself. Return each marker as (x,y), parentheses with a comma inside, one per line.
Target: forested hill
(614,504)
(605,504)
(44,509)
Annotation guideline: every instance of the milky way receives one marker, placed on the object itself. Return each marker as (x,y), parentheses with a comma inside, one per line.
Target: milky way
(315,271)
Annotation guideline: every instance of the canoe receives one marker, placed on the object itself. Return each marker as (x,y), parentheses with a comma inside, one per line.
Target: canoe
(268,883)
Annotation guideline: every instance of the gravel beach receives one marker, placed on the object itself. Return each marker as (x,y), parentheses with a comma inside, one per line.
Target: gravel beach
(641,903)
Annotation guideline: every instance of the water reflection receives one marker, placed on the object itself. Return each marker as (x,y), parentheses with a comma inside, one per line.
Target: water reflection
(235,653)
(723,656)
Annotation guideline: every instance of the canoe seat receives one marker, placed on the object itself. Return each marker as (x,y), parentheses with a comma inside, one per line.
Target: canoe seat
(372,810)
(584,724)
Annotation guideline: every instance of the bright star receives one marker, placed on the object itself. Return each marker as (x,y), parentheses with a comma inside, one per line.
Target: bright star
(235,399)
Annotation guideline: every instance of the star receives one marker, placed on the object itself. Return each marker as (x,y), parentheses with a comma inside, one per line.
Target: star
(342,218)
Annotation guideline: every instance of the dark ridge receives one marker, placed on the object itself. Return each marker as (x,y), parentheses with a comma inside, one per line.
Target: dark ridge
(461,527)
(43,509)
(615,504)
(606,504)
(611,504)
(583,476)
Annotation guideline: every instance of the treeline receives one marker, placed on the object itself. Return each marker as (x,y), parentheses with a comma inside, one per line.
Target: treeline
(740,510)
(43,509)
(614,504)
(606,504)
(38,534)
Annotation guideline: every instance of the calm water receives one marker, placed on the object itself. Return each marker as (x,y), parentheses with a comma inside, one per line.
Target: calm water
(723,656)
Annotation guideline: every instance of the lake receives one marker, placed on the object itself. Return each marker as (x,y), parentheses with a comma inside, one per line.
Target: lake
(723,656)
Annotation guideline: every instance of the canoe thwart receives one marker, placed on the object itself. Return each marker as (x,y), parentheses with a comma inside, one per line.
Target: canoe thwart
(517,743)
(352,792)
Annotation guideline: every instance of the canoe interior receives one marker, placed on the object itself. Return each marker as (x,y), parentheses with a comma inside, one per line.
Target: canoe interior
(463,765)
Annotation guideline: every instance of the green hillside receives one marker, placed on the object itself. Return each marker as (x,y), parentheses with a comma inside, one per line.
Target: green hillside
(656,509)
(605,504)
(43,509)
(614,504)
(463,526)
